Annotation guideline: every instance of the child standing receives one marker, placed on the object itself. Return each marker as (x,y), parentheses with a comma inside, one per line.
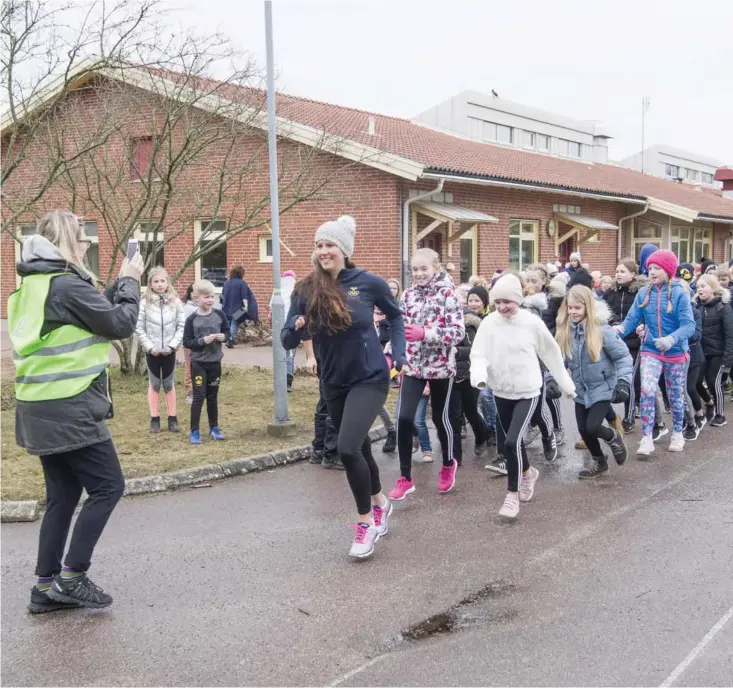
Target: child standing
(602,369)
(203,334)
(160,331)
(189,308)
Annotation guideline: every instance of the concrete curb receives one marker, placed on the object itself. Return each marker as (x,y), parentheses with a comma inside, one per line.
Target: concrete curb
(13,512)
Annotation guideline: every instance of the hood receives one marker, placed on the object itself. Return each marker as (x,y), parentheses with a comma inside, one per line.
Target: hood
(535,301)
(287,285)
(646,251)
(632,286)
(557,287)
(603,313)
(470,319)
(718,298)
(40,256)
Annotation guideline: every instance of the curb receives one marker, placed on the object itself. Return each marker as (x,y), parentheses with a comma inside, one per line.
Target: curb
(14,512)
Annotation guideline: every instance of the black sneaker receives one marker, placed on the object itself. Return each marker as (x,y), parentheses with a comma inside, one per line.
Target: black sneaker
(332,462)
(691,432)
(491,441)
(498,466)
(700,422)
(155,425)
(596,466)
(41,603)
(659,431)
(230,344)
(290,383)
(709,412)
(628,426)
(391,443)
(316,456)
(173,424)
(549,447)
(719,421)
(618,448)
(480,448)
(80,590)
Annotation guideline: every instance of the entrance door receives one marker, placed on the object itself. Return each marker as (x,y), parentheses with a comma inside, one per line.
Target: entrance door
(569,245)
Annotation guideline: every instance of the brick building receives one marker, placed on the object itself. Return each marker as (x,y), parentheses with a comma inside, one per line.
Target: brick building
(481,206)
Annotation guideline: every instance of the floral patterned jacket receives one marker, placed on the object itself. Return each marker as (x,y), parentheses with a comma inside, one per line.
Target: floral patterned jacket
(438,308)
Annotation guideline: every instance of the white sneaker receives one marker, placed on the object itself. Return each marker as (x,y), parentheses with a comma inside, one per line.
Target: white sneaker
(646,446)
(677,443)
(531,435)
(526,485)
(381,517)
(364,539)
(510,508)
(427,457)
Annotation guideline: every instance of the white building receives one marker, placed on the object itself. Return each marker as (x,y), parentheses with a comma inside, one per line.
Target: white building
(675,164)
(491,119)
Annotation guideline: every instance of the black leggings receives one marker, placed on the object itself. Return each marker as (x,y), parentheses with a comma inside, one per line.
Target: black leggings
(161,370)
(711,372)
(591,428)
(540,418)
(353,414)
(410,393)
(206,378)
(635,395)
(555,412)
(693,375)
(514,416)
(96,469)
(464,401)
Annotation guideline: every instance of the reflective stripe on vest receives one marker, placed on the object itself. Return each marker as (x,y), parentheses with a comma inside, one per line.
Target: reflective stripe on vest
(62,363)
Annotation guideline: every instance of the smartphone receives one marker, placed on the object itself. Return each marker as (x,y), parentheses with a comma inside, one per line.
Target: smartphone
(132,248)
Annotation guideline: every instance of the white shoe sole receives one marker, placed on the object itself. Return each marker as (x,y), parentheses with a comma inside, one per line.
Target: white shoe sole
(676,449)
(529,499)
(495,469)
(386,521)
(509,516)
(399,499)
(365,555)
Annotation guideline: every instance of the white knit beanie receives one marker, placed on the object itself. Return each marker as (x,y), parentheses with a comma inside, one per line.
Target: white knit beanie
(340,232)
(576,255)
(507,288)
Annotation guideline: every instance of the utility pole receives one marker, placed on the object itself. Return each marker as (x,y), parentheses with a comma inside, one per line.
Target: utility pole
(281,426)
(644,109)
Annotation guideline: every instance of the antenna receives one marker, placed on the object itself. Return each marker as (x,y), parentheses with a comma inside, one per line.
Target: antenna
(644,110)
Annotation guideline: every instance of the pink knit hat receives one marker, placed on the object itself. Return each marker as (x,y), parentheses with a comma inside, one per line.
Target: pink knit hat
(289,273)
(665,259)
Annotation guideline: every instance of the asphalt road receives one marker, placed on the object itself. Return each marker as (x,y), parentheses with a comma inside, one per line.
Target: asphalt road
(627,580)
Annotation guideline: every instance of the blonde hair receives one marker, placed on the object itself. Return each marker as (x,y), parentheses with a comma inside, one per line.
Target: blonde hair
(723,271)
(542,270)
(429,255)
(593,330)
(392,281)
(645,302)
(62,229)
(202,286)
(170,293)
(712,282)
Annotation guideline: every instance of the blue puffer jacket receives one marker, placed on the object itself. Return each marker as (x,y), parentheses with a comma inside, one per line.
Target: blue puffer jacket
(679,324)
(596,380)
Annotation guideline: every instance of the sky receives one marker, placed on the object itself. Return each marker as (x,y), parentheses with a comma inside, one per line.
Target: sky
(593,60)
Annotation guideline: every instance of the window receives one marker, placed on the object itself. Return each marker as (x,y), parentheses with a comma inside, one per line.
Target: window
(142,157)
(645,233)
(266,248)
(707,178)
(672,171)
(680,243)
(475,130)
(543,142)
(522,243)
(91,231)
(574,149)
(529,139)
(481,130)
(691,175)
(213,265)
(702,244)
(562,147)
(503,134)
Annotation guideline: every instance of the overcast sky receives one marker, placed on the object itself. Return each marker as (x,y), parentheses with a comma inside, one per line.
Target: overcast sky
(591,59)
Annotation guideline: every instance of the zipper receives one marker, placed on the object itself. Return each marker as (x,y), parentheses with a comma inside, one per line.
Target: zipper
(162,324)
(659,311)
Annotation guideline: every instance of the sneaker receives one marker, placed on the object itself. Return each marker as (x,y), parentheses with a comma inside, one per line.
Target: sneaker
(531,435)
(415,445)
(700,422)
(618,448)
(427,457)
(290,383)
(364,539)
(80,590)
(728,386)
(173,424)
(559,436)
(155,425)
(401,489)
(709,412)
(677,443)
(718,421)
(189,398)
(628,426)
(316,456)
(333,462)
(41,603)
(498,465)
(691,432)
(659,431)
(381,516)
(549,447)
(510,508)
(480,449)
(230,344)
(194,437)
(580,444)
(447,478)
(527,483)
(595,467)
(491,441)
(216,434)
(618,426)
(391,444)
(646,446)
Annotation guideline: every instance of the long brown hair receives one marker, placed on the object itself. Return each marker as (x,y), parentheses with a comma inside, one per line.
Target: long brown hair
(325,309)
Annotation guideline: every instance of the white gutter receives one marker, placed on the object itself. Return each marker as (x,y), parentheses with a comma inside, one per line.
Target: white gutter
(406,229)
(711,218)
(621,228)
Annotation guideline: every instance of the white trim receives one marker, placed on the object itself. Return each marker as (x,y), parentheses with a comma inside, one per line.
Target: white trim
(262,244)
(672,210)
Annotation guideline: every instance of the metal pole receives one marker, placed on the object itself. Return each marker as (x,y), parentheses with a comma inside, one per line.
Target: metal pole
(281,424)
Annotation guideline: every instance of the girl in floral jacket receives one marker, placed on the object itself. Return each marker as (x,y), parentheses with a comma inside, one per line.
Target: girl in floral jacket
(433,317)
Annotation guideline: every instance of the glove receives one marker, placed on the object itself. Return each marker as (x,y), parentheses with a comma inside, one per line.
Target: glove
(664,343)
(621,393)
(414,333)
(552,389)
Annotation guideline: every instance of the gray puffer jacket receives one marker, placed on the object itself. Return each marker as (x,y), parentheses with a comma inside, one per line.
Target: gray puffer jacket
(160,324)
(596,380)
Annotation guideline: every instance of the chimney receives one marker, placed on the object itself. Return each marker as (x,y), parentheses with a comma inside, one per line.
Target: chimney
(372,125)
(725,175)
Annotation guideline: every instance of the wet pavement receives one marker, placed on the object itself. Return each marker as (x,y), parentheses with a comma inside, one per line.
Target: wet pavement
(610,582)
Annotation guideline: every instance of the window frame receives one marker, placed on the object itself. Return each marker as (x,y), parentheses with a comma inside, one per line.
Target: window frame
(672,175)
(533,140)
(198,231)
(638,241)
(704,237)
(498,139)
(545,149)
(579,156)
(523,236)
(262,242)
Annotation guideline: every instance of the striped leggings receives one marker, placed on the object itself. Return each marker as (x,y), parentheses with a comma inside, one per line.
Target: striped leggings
(514,416)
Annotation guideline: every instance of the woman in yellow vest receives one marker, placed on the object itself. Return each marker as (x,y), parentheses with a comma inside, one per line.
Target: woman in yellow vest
(61,327)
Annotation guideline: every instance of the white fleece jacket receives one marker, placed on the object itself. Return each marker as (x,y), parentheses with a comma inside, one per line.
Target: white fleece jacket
(505,355)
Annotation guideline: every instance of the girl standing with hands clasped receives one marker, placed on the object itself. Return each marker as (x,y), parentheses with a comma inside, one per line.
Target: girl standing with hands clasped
(665,309)
(160,330)
(506,355)
(601,367)
(335,306)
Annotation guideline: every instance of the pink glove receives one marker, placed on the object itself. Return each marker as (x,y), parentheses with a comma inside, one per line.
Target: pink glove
(414,333)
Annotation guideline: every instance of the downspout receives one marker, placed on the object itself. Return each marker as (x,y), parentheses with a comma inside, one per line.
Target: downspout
(621,228)
(406,229)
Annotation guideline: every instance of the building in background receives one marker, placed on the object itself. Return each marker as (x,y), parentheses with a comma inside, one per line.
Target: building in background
(674,164)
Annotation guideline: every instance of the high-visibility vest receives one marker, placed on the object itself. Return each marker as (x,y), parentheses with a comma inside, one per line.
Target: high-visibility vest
(58,365)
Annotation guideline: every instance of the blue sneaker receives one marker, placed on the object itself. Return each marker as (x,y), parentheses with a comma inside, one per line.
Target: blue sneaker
(194,437)
(216,434)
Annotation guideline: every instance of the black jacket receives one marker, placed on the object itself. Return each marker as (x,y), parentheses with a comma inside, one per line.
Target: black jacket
(463,350)
(697,356)
(717,329)
(385,331)
(555,296)
(619,300)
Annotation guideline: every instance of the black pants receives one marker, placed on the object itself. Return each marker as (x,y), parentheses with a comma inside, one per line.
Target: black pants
(410,393)
(635,395)
(540,418)
(514,416)
(96,469)
(161,370)
(206,378)
(555,412)
(711,373)
(591,428)
(325,438)
(693,375)
(353,414)
(464,401)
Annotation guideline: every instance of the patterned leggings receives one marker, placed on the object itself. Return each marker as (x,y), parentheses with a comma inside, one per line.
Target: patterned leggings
(675,377)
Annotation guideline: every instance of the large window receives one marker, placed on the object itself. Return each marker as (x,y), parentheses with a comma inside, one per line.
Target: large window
(503,133)
(680,244)
(645,233)
(522,243)
(707,178)
(691,175)
(543,142)
(213,265)
(672,171)
(529,139)
(574,149)
(702,244)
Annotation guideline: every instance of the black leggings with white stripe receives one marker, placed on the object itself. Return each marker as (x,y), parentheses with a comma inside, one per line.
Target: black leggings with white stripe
(514,415)
(635,394)
(711,373)
(410,393)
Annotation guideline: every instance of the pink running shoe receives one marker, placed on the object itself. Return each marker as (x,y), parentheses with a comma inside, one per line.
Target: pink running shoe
(364,539)
(401,489)
(447,479)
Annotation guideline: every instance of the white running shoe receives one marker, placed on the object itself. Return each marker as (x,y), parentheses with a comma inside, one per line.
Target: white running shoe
(677,443)
(364,539)
(381,517)
(646,446)
(510,508)
(527,483)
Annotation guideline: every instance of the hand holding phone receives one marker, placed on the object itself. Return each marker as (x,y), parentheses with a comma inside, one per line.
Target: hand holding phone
(133,247)
(210,338)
